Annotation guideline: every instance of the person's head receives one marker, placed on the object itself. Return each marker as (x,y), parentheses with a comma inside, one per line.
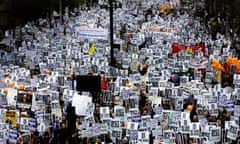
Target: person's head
(63,117)
(205,113)
(220,110)
(97,107)
(125,140)
(190,141)
(219,123)
(63,125)
(195,118)
(46,134)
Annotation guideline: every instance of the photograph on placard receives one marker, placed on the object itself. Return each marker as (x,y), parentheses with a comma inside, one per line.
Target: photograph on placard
(232,132)
(3,100)
(24,126)
(107,96)
(24,99)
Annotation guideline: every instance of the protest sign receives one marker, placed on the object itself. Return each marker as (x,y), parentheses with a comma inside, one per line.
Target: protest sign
(91,33)
(116,135)
(107,96)
(194,129)
(11,97)
(167,136)
(3,132)
(143,137)
(10,117)
(232,132)
(24,124)
(104,113)
(32,124)
(24,99)
(145,121)
(104,128)
(13,134)
(215,134)
(133,135)
(119,112)
(80,103)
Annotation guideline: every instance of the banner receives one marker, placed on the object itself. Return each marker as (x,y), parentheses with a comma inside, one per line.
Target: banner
(92,33)
(176,48)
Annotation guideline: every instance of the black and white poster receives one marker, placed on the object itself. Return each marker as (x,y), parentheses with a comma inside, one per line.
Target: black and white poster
(104,128)
(42,97)
(3,133)
(124,93)
(107,96)
(13,134)
(3,100)
(133,135)
(213,109)
(232,132)
(47,119)
(194,129)
(119,112)
(32,124)
(208,77)
(133,102)
(143,137)
(237,110)
(115,124)
(24,126)
(104,113)
(24,99)
(215,134)
(116,135)
(167,136)
(183,81)
(145,123)
(132,126)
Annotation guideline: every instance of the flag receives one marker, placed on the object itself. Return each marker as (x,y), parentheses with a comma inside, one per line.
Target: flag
(200,46)
(176,48)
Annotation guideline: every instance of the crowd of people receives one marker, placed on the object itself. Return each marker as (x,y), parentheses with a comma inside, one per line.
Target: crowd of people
(171,82)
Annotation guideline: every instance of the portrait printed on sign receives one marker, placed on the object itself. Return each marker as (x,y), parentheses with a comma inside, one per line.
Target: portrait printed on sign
(24,99)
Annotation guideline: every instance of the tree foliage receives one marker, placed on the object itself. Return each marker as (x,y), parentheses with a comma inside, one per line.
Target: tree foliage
(26,10)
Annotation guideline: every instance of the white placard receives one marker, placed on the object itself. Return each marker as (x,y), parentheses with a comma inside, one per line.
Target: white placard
(24,124)
(91,33)
(132,125)
(13,134)
(215,134)
(81,104)
(104,113)
(194,129)
(119,112)
(167,136)
(12,97)
(143,137)
(232,132)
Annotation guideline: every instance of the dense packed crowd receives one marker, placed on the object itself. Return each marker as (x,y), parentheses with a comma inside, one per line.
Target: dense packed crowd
(172,81)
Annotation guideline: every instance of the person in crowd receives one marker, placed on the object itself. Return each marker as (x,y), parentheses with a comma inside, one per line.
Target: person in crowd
(46,138)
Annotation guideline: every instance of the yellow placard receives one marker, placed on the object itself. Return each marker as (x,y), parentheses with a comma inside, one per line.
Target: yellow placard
(91,49)
(24,115)
(10,116)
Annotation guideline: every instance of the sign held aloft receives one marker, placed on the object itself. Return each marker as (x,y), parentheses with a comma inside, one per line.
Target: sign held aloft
(92,33)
